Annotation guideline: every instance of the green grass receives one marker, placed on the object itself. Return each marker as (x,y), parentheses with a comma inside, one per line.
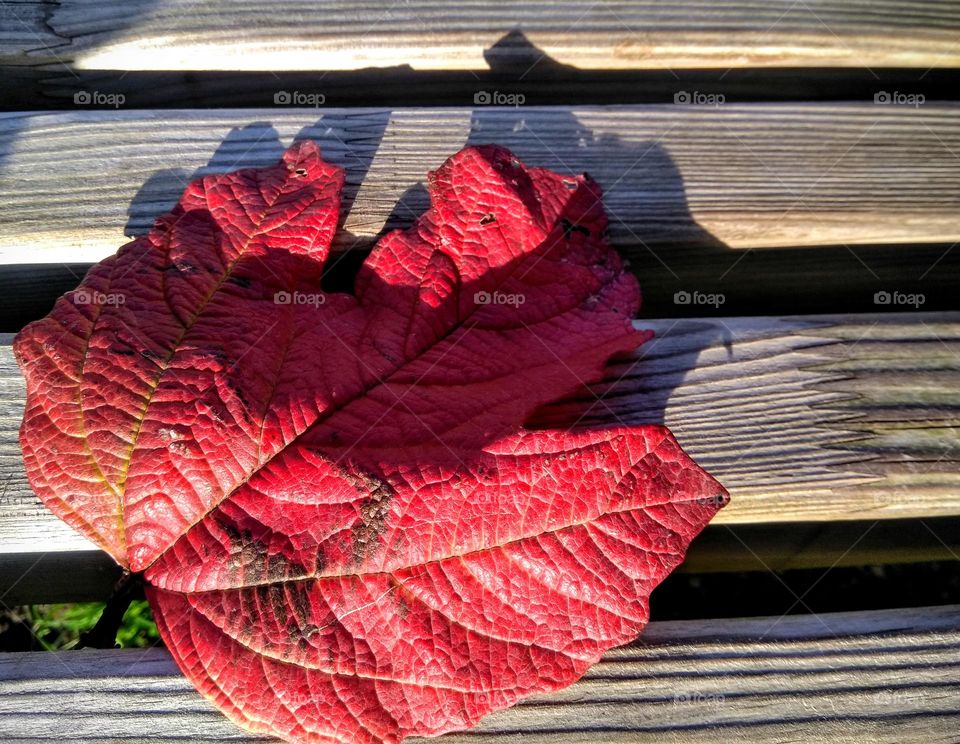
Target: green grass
(58,626)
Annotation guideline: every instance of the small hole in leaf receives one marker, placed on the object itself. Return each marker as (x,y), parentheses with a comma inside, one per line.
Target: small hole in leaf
(569,184)
(301,171)
(488,218)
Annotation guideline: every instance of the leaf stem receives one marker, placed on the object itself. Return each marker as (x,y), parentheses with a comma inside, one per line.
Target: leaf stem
(104,634)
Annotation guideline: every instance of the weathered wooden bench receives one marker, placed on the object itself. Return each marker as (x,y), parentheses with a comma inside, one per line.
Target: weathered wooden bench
(767,153)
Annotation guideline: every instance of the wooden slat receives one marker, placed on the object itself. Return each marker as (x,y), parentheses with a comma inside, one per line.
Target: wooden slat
(431,34)
(722,178)
(885,676)
(803,419)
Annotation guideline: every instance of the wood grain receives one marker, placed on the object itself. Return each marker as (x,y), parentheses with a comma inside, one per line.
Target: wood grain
(883,676)
(727,178)
(804,419)
(430,34)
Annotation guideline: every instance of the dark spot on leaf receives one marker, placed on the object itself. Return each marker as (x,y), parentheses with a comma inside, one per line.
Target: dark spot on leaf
(272,595)
(248,559)
(218,353)
(403,609)
(488,218)
(321,562)
(374,509)
(240,281)
(244,403)
(571,227)
(302,635)
(299,602)
(249,627)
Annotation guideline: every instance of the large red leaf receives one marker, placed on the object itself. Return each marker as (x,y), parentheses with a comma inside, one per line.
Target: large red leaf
(345,531)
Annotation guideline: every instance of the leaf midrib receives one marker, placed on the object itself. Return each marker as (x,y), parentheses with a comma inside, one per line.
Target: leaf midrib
(324,416)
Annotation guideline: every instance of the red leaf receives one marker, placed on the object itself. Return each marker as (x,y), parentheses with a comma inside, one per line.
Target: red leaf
(346,534)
